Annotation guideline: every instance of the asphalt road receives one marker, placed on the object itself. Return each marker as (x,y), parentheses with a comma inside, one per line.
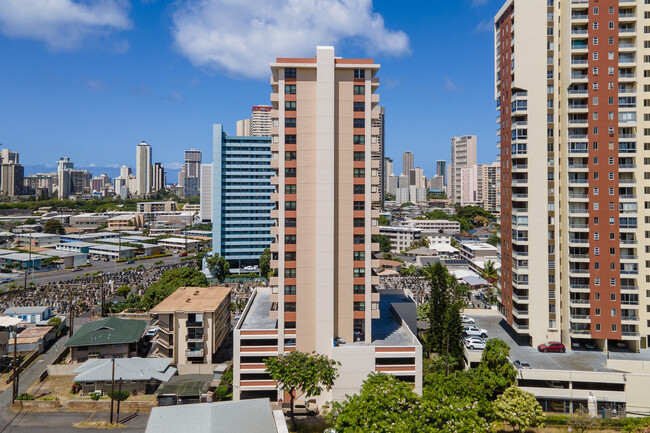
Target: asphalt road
(41,278)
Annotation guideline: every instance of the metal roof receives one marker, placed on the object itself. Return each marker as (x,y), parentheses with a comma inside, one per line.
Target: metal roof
(135,369)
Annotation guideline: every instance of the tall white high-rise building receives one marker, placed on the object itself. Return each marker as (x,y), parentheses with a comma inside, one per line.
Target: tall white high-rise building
(407,163)
(158,177)
(261,121)
(192,163)
(468,185)
(463,155)
(206,199)
(143,169)
(63,167)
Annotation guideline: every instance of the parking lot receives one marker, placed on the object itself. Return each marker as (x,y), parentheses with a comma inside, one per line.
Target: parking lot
(580,360)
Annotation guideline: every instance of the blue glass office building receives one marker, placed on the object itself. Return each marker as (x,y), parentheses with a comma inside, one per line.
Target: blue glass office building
(241,205)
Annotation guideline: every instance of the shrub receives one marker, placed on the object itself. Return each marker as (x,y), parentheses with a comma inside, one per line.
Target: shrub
(95,396)
(76,387)
(25,396)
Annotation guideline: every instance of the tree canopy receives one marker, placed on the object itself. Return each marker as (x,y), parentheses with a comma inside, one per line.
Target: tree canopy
(518,408)
(218,266)
(265,263)
(168,283)
(383,241)
(53,226)
(308,372)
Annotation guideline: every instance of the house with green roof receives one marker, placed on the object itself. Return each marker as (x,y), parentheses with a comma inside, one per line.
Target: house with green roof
(107,338)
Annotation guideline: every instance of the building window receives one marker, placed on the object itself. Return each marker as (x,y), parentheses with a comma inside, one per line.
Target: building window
(359,239)
(359,222)
(359,189)
(359,123)
(359,172)
(289,205)
(359,272)
(359,106)
(290,139)
(290,256)
(289,290)
(289,89)
(359,256)
(358,90)
(614,327)
(289,239)
(359,139)
(359,73)
(290,273)
(597,311)
(359,306)
(597,326)
(290,155)
(289,105)
(290,122)
(359,205)
(359,289)
(289,72)
(289,222)
(290,172)
(359,156)
(290,307)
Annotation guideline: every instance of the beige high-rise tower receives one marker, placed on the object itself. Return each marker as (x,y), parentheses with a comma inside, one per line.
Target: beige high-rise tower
(574,120)
(323,296)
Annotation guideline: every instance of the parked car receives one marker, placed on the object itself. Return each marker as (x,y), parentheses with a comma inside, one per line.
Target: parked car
(6,280)
(474,331)
(521,364)
(475,343)
(75,270)
(300,407)
(183,254)
(590,345)
(553,346)
(130,262)
(151,332)
(466,319)
(106,259)
(95,258)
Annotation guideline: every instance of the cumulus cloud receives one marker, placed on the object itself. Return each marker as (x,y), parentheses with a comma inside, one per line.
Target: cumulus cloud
(243,36)
(62,24)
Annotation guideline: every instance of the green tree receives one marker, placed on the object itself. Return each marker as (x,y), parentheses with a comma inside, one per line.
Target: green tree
(494,240)
(471,212)
(384,404)
(123,291)
(53,226)
(54,321)
(389,197)
(117,395)
(30,221)
(383,241)
(489,272)
(218,266)
(265,263)
(495,369)
(383,220)
(307,372)
(168,283)
(518,408)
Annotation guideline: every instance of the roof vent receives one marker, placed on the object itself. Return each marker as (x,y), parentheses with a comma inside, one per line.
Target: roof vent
(196,293)
(188,300)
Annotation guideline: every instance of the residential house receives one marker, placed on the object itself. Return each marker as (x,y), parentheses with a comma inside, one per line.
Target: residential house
(107,338)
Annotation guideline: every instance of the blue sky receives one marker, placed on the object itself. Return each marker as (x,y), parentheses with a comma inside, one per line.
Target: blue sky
(91,79)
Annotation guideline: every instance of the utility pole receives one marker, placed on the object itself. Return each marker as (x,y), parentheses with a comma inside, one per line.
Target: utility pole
(119,398)
(14,387)
(186,238)
(103,314)
(71,313)
(119,250)
(112,387)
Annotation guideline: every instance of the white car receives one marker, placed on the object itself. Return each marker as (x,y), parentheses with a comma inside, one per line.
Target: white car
(467,319)
(475,343)
(473,331)
(151,332)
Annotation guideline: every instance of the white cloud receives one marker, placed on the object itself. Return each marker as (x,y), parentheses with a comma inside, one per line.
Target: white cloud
(485,26)
(477,3)
(243,36)
(95,84)
(450,86)
(62,24)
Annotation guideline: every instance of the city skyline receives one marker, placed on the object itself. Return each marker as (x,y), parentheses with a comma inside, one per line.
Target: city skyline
(148,90)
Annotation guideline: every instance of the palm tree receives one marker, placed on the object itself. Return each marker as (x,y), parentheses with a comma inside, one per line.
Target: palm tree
(489,272)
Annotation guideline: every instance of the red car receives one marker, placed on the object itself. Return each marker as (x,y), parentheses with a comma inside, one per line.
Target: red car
(553,346)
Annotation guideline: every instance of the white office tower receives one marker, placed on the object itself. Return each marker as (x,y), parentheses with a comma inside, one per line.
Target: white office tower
(463,155)
(261,121)
(143,169)
(63,167)
(244,128)
(159,177)
(468,185)
(205,212)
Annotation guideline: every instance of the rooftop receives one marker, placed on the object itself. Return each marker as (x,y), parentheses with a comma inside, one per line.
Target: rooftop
(39,309)
(577,360)
(33,334)
(136,369)
(257,316)
(479,246)
(243,416)
(187,385)
(193,299)
(108,331)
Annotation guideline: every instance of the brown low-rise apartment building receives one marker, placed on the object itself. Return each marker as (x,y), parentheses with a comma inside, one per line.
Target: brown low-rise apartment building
(192,324)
